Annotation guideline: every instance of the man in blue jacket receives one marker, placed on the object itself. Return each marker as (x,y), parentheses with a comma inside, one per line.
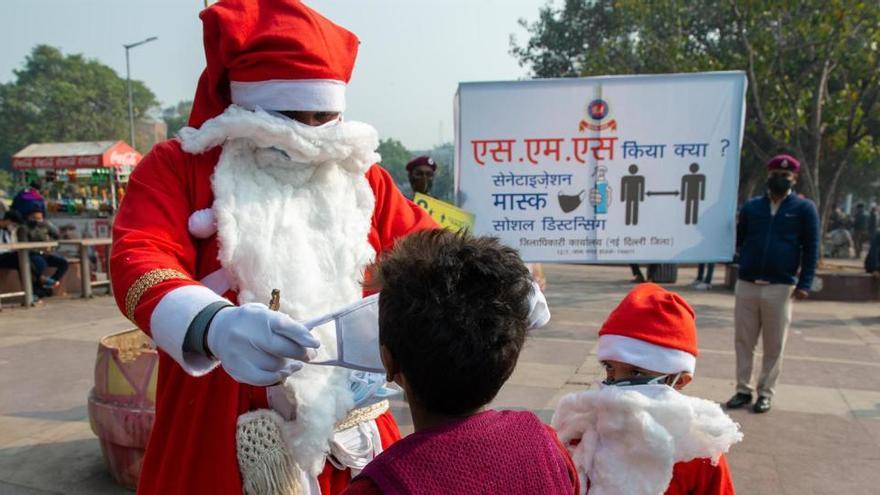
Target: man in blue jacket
(778,240)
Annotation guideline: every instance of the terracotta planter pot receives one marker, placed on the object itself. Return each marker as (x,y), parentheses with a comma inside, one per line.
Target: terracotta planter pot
(122,403)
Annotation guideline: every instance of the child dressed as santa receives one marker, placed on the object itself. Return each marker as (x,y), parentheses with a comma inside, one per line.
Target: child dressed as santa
(636,434)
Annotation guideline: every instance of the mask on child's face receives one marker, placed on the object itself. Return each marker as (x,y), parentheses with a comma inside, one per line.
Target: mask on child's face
(643,380)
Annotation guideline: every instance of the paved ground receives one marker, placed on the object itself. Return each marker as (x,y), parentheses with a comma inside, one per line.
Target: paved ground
(822,437)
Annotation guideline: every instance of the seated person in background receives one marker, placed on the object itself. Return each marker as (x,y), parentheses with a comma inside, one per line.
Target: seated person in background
(29,199)
(37,229)
(453,315)
(9,235)
(636,434)
(838,244)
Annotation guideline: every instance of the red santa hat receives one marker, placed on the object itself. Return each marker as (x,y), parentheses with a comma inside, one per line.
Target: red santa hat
(273,54)
(653,329)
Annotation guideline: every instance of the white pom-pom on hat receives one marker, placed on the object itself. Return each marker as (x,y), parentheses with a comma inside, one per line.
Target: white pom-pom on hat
(202,223)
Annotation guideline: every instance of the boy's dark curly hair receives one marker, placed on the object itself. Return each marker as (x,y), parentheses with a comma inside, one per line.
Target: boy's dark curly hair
(453,313)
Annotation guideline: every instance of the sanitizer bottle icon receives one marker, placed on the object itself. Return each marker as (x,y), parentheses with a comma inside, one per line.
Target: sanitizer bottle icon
(601,188)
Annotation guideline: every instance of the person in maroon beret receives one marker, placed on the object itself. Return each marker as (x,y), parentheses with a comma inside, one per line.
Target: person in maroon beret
(778,241)
(420,171)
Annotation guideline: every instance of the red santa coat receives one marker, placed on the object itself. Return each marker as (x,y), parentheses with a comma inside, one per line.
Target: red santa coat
(192,445)
(698,476)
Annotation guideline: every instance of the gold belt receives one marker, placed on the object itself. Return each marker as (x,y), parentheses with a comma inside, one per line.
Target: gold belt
(363,414)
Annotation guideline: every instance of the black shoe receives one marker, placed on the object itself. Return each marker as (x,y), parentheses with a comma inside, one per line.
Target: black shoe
(739,400)
(762,405)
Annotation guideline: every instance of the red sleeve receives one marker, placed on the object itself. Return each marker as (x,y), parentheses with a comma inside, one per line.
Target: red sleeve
(566,456)
(362,486)
(394,216)
(152,252)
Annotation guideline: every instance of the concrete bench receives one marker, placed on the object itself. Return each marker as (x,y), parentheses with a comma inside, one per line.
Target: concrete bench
(83,245)
(24,267)
(831,285)
(10,282)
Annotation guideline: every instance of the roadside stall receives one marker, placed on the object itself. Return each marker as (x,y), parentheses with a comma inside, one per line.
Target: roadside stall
(83,181)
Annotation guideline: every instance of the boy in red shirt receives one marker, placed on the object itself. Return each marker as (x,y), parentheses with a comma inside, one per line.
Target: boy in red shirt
(637,434)
(453,315)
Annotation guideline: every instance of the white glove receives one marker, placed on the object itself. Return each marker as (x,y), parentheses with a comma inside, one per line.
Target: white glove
(256,345)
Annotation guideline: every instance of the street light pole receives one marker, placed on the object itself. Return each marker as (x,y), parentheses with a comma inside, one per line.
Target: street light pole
(130,112)
(130,103)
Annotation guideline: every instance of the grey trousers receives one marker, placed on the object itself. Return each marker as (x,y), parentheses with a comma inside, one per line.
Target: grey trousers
(765,311)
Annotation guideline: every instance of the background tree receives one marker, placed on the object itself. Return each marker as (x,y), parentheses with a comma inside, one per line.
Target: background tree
(5,182)
(56,98)
(812,69)
(395,156)
(176,116)
(394,159)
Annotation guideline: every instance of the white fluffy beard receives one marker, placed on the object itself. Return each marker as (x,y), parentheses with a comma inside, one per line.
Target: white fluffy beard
(294,210)
(630,437)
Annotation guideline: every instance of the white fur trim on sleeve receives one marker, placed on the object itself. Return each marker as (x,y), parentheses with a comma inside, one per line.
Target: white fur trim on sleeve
(644,354)
(217,281)
(170,321)
(314,95)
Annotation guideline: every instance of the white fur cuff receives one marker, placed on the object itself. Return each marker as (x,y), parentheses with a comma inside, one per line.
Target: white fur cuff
(645,354)
(170,321)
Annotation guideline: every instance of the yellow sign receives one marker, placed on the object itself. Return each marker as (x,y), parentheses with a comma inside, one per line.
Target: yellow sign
(448,216)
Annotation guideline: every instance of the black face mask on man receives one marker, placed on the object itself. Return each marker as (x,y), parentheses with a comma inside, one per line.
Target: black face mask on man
(778,184)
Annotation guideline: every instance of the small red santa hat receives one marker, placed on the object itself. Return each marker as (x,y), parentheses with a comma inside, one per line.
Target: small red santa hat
(273,54)
(653,329)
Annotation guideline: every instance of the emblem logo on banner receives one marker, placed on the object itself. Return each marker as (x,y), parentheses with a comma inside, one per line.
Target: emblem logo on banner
(597,110)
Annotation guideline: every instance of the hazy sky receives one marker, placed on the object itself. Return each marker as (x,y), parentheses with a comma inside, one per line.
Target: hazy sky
(413,53)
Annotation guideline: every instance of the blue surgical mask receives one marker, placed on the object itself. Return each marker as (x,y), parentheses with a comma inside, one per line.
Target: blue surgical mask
(365,386)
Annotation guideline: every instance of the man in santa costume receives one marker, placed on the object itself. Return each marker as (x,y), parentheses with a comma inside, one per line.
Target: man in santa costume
(636,434)
(267,189)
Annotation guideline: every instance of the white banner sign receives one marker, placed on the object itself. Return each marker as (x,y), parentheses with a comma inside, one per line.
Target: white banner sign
(604,169)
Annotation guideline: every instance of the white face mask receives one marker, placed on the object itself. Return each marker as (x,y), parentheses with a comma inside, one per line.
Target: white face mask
(539,311)
(357,335)
(357,331)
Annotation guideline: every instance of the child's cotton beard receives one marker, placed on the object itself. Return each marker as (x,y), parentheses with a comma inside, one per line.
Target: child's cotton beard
(630,437)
